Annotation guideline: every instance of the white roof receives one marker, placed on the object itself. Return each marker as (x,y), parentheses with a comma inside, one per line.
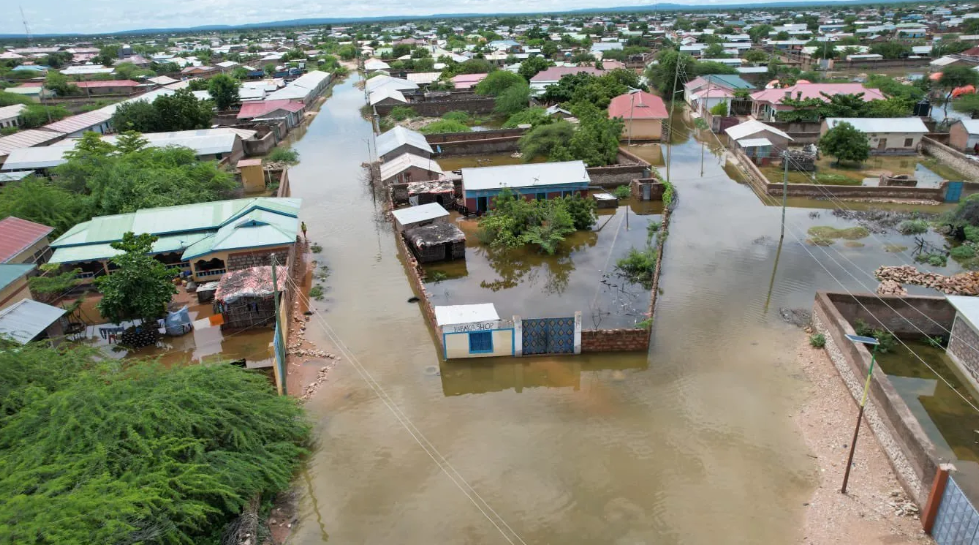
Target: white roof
(530,175)
(967,307)
(750,127)
(375,64)
(12,111)
(465,314)
(415,214)
(378,82)
(754,142)
(399,136)
(311,80)
(386,92)
(881,124)
(36,157)
(27,319)
(943,61)
(971,125)
(401,163)
(423,77)
(82,70)
(289,93)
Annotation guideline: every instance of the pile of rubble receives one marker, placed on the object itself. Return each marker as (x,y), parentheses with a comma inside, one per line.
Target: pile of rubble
(311,388)
(903,507)
(890,287)
(966,283)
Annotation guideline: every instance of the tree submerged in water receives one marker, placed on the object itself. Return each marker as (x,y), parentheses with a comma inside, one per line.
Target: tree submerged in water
(515,221)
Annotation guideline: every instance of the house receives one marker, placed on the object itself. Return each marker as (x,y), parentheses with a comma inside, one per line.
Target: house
(30,321)
(373,65)
(203,240)
(419,216)
(35,93)
(436,242)
(26,139)
(643,114)
(705,92)
(753,129)
(552,75)
(99,121)
(767,103)
(203,72)
(964,134)
(400,140)
(474,331)
(464,82)
(288,111)
(13,283)
(10,115)
(108,87)
(88,71)
(534,181)
(23,241)
(408,167)
(892,136)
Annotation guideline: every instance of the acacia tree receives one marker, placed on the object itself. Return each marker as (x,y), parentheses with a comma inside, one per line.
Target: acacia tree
(846,143)
(141,286)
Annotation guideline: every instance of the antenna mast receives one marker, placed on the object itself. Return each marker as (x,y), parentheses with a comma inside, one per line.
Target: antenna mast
(30,39)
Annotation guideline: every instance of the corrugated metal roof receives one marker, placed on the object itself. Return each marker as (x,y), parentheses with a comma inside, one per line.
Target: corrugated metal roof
(34,158)
(401,163)
(399,136)
(80,122)
(17,235)
(971,125)
(27,319)
(27,139)
(415,214)
(11,272)
(12,111)
(881,124)
(520,176)
(754,142)
(311,80)
(387,92)
(750,127)
(387,81)
(465,314)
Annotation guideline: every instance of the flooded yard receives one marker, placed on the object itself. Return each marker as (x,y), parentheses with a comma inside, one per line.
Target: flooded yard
(580,276)
(928,171)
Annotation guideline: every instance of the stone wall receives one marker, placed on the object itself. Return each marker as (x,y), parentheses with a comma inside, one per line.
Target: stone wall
(615,340)
(438,108)
(961,349)
(911,454)
(258,258)
(952,158)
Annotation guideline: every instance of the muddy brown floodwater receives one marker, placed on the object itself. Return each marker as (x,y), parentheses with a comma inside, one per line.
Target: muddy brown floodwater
(690,443)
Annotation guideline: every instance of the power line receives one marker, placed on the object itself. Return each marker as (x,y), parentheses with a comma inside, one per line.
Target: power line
(409,426)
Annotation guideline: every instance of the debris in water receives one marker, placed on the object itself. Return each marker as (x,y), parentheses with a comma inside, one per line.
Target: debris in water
(798,317)
(413,299)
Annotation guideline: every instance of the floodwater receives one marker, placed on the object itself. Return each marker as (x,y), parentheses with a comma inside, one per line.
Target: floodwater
(927,171)
(691,443)
(580,276)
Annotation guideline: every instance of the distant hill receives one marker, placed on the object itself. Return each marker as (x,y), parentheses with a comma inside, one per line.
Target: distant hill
(389,18)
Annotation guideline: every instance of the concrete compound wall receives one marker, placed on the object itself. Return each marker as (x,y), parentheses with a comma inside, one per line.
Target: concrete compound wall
(476,143)
(911,454)
(952,158)
(442,107)
(260,146)
(629,167)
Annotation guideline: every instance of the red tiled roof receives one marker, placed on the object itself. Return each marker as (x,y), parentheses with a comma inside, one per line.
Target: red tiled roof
(816,90)
(641,105)
(17,235)
(105,83)
(250,110)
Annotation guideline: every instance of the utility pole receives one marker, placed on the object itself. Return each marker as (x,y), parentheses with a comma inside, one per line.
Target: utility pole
(632,112)
(669,138)
(278,344)
(863,402)
(785,190)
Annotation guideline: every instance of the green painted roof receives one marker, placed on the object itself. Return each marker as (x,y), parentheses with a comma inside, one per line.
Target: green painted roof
(731,80)
(10,273)
(206,227)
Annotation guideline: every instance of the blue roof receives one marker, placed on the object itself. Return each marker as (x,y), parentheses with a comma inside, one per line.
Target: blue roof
(10,273)
(729,80)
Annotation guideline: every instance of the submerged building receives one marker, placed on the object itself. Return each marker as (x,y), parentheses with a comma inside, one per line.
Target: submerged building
(534,181)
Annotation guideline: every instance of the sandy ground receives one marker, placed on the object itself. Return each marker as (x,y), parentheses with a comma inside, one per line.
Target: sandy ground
(867,513)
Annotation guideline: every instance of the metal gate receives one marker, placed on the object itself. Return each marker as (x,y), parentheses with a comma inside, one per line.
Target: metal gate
(548,336)
(957,521)
(953,192)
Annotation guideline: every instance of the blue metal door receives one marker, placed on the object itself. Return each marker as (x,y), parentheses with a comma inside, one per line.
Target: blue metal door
(548,336)
(953,192)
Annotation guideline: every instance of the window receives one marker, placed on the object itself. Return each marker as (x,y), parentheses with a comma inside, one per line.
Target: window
(908,142)
(541,196)
(481,342)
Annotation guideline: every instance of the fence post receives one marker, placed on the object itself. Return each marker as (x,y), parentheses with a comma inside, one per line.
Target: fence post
(930,511)
(577,332)
(517,336)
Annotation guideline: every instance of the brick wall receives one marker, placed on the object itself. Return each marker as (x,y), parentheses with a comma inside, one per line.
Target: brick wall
(442,107)
(614,340)
(961,348)
(247,260)
(414,272)
(951,157)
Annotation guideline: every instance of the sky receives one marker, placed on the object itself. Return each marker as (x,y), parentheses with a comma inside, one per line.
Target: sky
(106,16)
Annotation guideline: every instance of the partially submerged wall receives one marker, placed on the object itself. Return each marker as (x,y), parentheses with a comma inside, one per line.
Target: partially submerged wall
(629,167)
(438,108)
(911,454)
(955,159)
(476,143)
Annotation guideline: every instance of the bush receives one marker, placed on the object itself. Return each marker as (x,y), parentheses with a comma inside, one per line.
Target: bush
(817,340)
(444,126)
(461,117)
(515,221)
(965,251)
(639,266)
(542,141)
(622,192)
(288,156)
(719,109)
(513,100)
(888,342)
(912,227)
(316,292)
(401,113)
(534,117)
(496,83)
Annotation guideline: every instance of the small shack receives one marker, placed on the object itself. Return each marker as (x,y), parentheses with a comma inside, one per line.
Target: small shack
(474,331)
(436,242)
(419,216)
(252,175)
(245,297)
(28,321)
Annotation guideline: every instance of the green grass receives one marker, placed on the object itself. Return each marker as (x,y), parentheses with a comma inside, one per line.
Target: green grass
(316,292)
(849,233)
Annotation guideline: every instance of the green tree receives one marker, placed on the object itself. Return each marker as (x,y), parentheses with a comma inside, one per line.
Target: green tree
(760,32)
(533,66)
(180,111)
(224,90)
(512,100)
(715,51)
(967,104)
(497,82)
(137,115)
(59,83)
(37,115)
(43,201)
(545,140)
(891,49)
(596,140)
(534,117)
(347,52)
(53,281)
(845,143)
(141,287)
(719,109)
(957,76)
(671,73)
(755,56)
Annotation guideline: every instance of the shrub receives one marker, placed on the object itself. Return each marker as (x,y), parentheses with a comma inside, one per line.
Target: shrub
(461,117)
(817,340)
(912,227)
(888,342)
(965,251)
(622,192)
(515,221)
(401,113)
(933,259)
(639,266)
(719,109)
(288,156)
(444,126)
(315,248)
(534,117)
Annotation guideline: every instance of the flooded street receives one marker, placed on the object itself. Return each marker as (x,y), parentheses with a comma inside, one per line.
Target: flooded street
(692,443)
